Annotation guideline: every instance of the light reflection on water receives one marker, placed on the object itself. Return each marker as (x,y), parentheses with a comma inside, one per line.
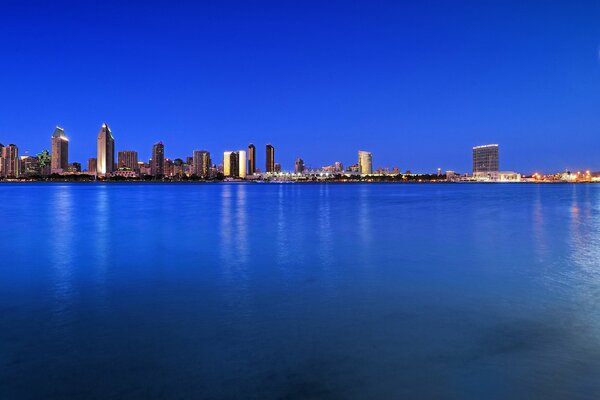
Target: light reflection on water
(300,291)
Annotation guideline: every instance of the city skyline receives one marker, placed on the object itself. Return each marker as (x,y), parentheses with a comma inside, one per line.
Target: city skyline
(413,83)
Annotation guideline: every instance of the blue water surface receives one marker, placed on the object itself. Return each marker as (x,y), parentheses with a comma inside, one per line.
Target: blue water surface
(299,291)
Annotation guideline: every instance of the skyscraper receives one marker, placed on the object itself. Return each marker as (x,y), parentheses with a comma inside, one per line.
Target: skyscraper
(128,159)
(485,159)
(270,162)
(201,163)
(10,161)
(299,166)
(242,163)
(365,162)
(60,151)
(231,164)
(251,159)
(157,166)
(106,151)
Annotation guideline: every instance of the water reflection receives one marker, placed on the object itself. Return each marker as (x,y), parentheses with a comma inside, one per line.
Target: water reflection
(61,250)
(324,234)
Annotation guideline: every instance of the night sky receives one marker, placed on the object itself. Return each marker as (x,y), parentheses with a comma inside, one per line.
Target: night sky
(417,83)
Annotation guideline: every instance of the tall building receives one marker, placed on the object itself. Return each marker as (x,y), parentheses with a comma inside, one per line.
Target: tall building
(128,159)
(157,166)
(105,162)
(251,159)
(92,166)
(201,163)
(231,164)
(485,159)
(10,161)
(60,151)
(1,160)
(299,166)
(270,163)
(365,162)
(242,163)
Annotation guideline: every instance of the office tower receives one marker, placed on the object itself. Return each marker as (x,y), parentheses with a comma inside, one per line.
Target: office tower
(251,159)
(1,160)
(92,166)
(201,163)
(10,161)
(60,151)
(485,159)
(242,163)
(270,163)
(157,164)
(365,162)
(277,167)
(128,159)
(299,166)
(105,161)
(231,165)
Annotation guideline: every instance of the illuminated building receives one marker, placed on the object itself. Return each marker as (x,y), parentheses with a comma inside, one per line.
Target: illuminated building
(128,159)
(365,162)
(231,164)
(10,161)
(485,160)
(270,160)
(201,163)
(242,163)
(92,165)
(60,151)
(251,159)
(157,164)
(105,160)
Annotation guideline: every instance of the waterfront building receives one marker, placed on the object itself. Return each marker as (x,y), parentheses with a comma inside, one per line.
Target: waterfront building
(168,167)
(277,167)
(30,166)
(10,161)
(60,151)
(201,163)
(105,161)
(270,160)
(485,160)
(299,166)
(231,165)
(242,164)
(157,163)
(92,166)
(128,159)
(251,159)
(365,162)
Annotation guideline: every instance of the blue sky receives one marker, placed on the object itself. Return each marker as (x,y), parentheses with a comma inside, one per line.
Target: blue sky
(417,83)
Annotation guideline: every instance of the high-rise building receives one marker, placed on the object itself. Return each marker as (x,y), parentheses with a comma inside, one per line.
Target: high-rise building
(201,163)
(60,151)
(105,162)
(231,164)
(299,166)
(270,162)
(365,162)
(1,160)
(242,163)
(277,167)
(157,166)
(128,159)
(92,166)
(485,159)
(251,159)
(10,161)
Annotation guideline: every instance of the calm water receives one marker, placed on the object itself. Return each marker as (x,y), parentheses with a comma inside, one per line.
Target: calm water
(299,291)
